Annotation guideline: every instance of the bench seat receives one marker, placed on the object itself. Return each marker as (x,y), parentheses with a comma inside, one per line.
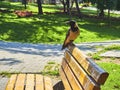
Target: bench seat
(29,82)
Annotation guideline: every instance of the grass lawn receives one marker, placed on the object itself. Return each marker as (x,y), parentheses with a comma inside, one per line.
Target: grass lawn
(87,11)
(51,28)
(112,82)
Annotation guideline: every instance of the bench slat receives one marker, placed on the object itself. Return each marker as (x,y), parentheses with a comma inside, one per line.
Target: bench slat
(92,68)
(48,84)
(30,82)
(20,83)
(39,82)
(64,79)
(71,78)
(11,83)
(86,81)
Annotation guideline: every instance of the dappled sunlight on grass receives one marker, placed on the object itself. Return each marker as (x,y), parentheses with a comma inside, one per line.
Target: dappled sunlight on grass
(50,27)
(98,30)
(44,29)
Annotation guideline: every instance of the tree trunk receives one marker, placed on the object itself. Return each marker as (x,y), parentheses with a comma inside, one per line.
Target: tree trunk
(101,14)
(40,11)
(64,6)
(25,3)
(71,5)
(109,22)
(25,6)
(68,6)
(78,9)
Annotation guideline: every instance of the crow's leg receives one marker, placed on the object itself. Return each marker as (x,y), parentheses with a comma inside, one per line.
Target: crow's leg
(71,43)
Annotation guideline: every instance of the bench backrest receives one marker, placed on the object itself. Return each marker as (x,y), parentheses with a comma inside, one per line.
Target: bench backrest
(78,72)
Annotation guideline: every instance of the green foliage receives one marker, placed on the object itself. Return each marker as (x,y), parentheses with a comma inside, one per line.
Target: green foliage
(51,62)
(112,82)
(97,56)
(106,4)
(93,1)
(4,4)
(113,47)
(89,12)
(118,5)
(51,68)
(101,4)
(5,74)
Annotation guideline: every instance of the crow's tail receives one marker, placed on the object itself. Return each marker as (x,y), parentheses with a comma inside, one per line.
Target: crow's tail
(64,46)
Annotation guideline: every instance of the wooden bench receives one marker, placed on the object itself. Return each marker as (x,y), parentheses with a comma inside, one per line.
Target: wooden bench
(77,72)
(29,82)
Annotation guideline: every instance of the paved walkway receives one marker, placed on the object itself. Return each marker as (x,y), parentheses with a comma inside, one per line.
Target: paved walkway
(18,57)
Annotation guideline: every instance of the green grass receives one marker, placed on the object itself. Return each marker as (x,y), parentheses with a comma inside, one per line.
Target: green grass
(112,82)
(51,28)
(7,74)
(87,11)
(97,56)
(113,47)
(52,68)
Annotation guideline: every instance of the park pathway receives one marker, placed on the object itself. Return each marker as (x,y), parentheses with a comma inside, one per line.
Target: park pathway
(24,57)
(31,58)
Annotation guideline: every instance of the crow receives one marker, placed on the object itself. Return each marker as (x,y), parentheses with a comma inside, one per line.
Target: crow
(72,33)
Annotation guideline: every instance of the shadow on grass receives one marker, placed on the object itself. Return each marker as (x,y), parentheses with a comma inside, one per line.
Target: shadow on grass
(101,28)
(51,28)
(8,5)
(44,29)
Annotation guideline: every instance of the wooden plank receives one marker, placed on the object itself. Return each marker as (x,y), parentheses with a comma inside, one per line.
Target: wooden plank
(64,80)
(86,81)
(71,78)
(91,67)
(30,82)
(48,83)
(11,82)
(39,82)
(20,82)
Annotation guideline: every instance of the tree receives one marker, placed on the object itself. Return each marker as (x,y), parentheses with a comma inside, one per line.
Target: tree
(68,4)
(40,11)
(118,5)
(25,3)
(64,5)
(78,9)
(105,4)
